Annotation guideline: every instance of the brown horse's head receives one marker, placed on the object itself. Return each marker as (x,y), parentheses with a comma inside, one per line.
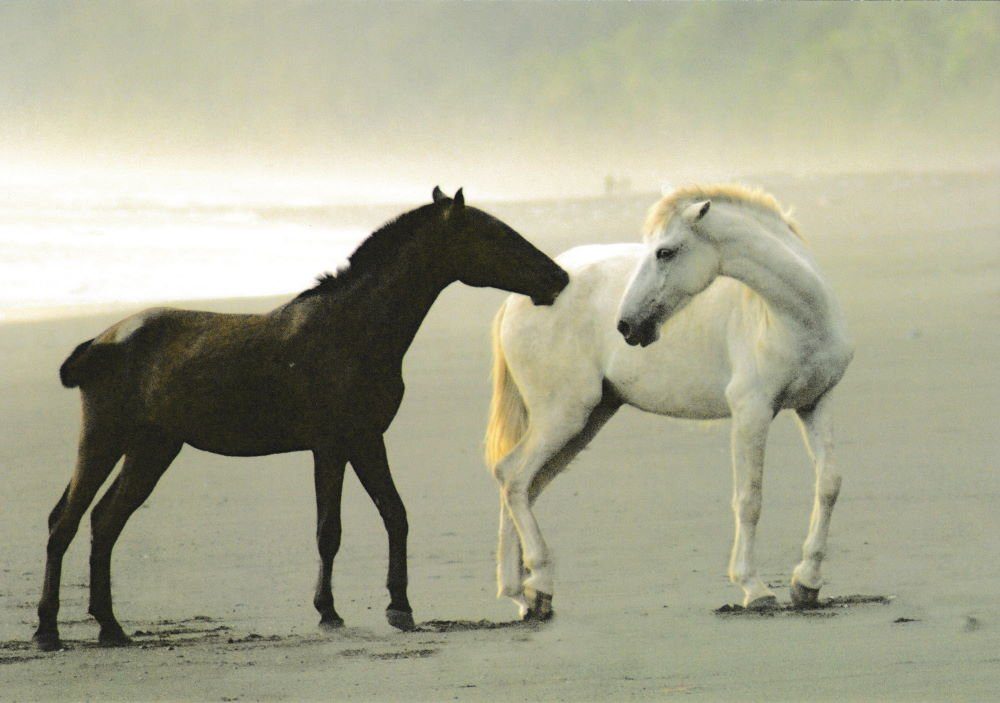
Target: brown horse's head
(484,251)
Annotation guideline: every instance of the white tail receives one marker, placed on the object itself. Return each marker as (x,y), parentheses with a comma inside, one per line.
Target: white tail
(508,415)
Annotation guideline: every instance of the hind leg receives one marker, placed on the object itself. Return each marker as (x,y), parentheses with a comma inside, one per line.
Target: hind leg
(145,463)
(515,474)
(96,457)
(751,420)
(510,566)
(369,461)
(551,442)
(817,430)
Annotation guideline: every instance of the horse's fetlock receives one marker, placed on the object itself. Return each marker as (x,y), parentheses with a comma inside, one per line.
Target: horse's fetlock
(323,602)
(99,612)
(48,613)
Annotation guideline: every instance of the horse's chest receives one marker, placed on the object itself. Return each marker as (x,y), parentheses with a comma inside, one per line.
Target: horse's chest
(813,374)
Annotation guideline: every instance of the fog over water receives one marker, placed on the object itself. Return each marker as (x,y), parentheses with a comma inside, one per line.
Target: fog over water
(510,99)
(115,114)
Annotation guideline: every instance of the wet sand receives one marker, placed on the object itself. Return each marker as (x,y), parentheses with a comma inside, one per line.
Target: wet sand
(214,574)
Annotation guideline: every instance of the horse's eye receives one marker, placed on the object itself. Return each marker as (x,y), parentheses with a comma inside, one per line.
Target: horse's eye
(666,254)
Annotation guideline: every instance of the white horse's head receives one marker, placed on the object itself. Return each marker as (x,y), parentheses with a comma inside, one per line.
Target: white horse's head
(679,263)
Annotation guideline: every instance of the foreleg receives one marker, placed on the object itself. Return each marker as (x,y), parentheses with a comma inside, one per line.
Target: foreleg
(329,468)
(372,467)
(751,421)
(817,431)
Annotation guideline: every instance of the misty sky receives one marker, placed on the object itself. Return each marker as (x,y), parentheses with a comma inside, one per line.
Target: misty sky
(505,98)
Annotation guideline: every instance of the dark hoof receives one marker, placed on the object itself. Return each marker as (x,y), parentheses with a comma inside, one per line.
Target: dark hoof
(804,597)
(331,622)
(400,619)
(47,641)
(763,603)
(113,636)
(540,608)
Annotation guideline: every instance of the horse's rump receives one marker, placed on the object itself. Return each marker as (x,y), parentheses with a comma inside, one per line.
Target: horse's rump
(84,362)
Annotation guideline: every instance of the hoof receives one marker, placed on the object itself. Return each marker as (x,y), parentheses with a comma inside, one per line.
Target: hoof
(113,636)
(763,603)
(400,619)
(804,597)
(47,641)
(331,622)
(540,608)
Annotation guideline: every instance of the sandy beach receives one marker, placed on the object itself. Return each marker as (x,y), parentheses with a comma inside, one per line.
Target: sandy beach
(214,574)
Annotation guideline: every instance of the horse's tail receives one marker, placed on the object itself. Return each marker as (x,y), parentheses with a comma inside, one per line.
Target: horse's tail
(508,414)
(82,363)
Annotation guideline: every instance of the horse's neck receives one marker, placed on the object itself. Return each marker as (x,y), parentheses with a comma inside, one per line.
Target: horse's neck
(776,267)
(385,308)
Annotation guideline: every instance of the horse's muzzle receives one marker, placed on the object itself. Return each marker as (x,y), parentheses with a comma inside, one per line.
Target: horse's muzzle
(642,334)
(558,281)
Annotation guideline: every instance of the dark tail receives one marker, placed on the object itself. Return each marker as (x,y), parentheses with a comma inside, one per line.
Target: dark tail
(73,370)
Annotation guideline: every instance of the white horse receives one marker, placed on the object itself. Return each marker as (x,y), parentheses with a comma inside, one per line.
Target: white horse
(749,327)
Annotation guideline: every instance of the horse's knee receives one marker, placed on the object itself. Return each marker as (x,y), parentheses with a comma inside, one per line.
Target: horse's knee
(328,543)
(829,489)
(747,507)
(750,411)
(58,543)
(399,527)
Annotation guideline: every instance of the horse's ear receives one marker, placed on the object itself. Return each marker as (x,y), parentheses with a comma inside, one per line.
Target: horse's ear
(438,194)
(696,211)
(459,199)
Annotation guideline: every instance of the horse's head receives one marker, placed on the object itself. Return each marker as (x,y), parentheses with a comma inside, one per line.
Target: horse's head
(484,251)
(679,263)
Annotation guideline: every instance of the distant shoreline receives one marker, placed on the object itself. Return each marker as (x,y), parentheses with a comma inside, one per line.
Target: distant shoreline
(548,221)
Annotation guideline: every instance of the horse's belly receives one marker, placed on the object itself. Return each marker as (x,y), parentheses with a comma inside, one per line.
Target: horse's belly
(242,446)
(669,397)
(237,433)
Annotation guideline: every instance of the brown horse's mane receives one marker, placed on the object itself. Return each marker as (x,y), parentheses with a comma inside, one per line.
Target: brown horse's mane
(372,254)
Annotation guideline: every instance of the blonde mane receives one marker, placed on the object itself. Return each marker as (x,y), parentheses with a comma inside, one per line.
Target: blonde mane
(756,198)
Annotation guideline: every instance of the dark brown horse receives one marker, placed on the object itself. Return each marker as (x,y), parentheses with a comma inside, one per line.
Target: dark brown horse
(322,373)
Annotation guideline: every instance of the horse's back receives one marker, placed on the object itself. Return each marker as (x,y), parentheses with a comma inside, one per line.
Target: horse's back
(149,356)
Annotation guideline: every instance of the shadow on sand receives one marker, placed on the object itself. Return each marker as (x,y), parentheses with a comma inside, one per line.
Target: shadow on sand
(466,625)
(827,607)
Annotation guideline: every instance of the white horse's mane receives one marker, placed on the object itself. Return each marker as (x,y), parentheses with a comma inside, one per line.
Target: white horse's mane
(757,198)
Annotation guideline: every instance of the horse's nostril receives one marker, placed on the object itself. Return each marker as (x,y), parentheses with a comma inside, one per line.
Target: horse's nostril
(624,328)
